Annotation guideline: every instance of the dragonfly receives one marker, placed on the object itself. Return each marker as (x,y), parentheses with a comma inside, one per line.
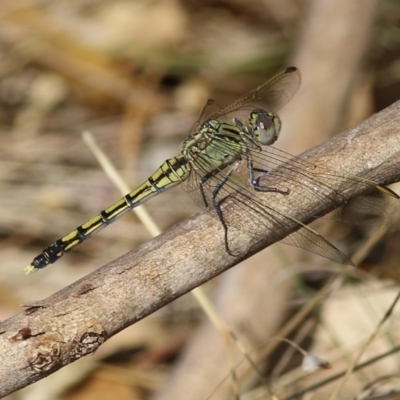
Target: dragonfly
(228,154)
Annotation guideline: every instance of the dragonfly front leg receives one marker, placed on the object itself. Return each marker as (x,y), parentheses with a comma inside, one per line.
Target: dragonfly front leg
(255,182)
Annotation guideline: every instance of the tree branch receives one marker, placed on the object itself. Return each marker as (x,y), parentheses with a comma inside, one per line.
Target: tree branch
(75,321)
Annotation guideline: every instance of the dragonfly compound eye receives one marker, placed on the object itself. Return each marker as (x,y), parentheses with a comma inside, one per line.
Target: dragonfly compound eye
(266,126)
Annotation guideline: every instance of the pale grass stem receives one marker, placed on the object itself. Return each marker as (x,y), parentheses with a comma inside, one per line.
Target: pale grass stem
(198,293)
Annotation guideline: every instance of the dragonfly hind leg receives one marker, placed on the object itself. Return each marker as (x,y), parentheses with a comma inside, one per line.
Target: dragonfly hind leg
(217,203)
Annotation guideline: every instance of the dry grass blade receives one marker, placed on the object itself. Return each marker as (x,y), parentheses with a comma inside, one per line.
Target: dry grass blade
(339,375)
(117,180)
(335,281)
(351,368)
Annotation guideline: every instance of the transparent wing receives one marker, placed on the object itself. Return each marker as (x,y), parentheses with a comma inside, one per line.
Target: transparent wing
(271,96)
(304,180)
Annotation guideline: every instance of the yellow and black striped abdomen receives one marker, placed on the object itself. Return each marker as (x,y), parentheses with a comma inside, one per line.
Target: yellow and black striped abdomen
(171,173)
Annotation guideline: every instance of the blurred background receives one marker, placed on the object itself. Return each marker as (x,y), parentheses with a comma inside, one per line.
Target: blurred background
(136,74)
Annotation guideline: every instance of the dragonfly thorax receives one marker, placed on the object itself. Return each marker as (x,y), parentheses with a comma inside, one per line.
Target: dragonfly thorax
(215,144)
(264,126)
(199,140)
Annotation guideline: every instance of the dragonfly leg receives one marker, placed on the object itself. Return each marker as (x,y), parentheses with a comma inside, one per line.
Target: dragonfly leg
(255,182)
(204,179)
(217,205)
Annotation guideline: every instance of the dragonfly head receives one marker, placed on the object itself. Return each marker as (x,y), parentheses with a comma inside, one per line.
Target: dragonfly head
(265,126)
